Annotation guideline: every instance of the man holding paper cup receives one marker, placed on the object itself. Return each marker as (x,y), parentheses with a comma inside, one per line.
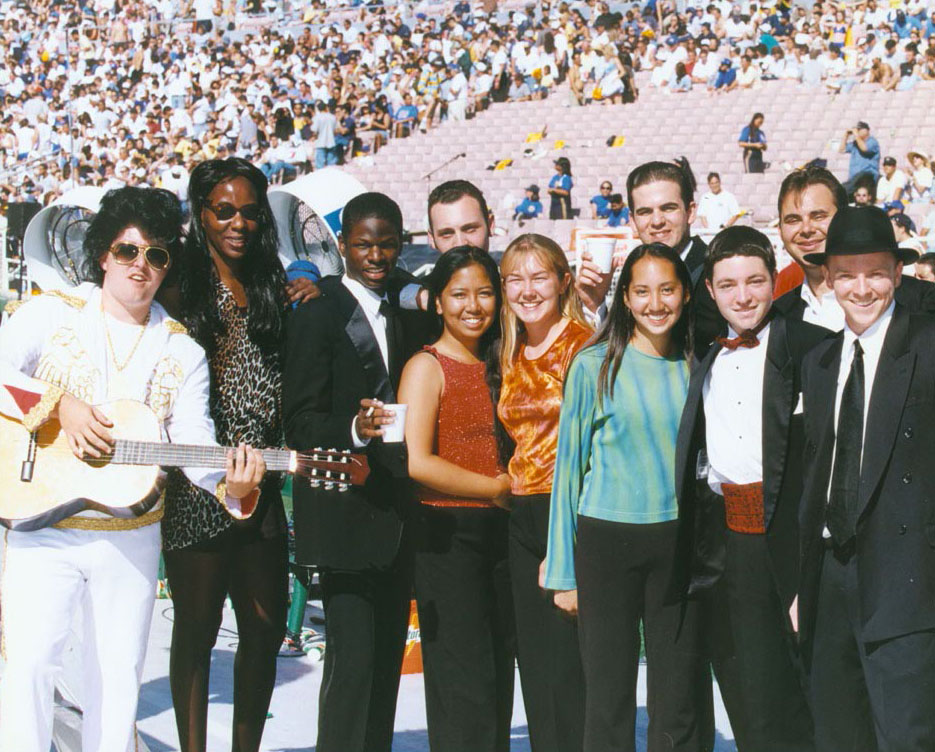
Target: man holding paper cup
(662,208)
(344,354)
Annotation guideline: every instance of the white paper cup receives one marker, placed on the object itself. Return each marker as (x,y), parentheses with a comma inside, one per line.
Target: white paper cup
(602,252)
(394,432)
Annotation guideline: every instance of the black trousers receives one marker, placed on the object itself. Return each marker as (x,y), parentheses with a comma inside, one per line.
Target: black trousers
(550,670)
(254,571)
(624,573)
(766,704)
(366,622)
(753,161)
(466,624)
(867,697)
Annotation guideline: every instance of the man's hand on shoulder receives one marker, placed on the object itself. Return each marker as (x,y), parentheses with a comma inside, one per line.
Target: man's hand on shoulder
(301,290)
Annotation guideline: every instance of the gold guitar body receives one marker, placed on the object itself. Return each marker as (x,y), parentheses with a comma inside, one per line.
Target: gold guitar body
(62,485)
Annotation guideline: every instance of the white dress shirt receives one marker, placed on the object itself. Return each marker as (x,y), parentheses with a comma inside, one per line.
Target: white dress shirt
(733,405)
(369,303)
(824,311)
(687,249)
(871,341)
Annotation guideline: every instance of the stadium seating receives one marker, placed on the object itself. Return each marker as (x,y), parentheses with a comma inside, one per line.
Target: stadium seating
(800,125)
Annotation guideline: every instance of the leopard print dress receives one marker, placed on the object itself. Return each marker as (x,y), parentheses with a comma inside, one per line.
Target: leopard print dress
(246,389)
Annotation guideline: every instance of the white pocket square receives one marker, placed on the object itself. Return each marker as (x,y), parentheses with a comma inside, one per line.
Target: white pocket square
(798,406)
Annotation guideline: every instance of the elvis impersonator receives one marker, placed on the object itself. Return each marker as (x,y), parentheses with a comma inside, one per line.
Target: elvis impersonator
(61,355)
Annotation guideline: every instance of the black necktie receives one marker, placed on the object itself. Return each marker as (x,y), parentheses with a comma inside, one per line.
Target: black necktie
(848,446)
(393,342)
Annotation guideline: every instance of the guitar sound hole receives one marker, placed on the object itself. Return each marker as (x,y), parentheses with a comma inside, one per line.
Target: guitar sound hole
(98,462)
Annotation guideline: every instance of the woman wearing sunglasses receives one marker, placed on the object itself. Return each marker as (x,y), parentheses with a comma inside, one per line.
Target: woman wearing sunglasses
(232,296)
(63,354)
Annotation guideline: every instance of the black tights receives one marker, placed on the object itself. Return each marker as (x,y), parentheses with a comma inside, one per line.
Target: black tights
(255,574)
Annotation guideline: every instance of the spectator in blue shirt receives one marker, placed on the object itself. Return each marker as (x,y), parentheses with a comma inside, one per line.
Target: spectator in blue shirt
(406,116)
(618,214)
(753,142)
(929,29)
(865,153)
(726,78)
(345,134)
(600,204)
(530,207)
(682,82)
(560,187)
(780,25)
(904,24)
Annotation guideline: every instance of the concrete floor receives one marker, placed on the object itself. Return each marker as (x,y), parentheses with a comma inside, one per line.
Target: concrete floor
(294,709)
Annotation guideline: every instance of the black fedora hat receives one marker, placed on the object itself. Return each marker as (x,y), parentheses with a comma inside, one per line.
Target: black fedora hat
(856,230)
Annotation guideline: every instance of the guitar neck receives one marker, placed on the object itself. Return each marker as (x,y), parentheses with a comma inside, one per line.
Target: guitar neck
(187,455)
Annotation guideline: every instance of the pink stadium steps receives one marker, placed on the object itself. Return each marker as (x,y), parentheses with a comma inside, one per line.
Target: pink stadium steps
(705,130)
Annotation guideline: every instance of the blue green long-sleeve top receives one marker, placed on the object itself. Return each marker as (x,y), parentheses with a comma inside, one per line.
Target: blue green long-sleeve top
(616,459)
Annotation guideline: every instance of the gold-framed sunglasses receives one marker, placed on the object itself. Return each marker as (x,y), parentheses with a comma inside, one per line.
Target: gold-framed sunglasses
(126,253)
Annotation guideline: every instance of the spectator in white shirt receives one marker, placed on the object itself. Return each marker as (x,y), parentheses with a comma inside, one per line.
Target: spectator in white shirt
(457,93)
(892,183)
(718,208)
(705,67)
(749,75)
(920,177)
(277,159)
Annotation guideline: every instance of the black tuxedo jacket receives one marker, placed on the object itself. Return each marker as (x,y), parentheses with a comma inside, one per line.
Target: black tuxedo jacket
(916,295)
(707,320)
(704,524)
(695,258)
(895,542)
(332,361)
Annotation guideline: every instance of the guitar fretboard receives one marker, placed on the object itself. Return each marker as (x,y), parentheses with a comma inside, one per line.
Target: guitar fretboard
(186,455)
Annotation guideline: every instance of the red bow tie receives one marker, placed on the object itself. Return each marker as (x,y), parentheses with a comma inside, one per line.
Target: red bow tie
(748,338)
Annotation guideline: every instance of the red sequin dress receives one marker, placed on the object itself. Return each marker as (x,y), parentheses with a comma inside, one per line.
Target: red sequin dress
(464,434)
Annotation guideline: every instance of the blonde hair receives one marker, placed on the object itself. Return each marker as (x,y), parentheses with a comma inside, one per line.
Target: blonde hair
(553,259)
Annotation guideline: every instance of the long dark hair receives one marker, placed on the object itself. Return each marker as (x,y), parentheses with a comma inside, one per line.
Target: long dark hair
(454,260)
(619,326)
(155,211)
(754,128)
(445,268)
(263,277)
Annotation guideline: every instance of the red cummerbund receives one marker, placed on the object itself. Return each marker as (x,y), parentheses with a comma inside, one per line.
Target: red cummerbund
(744,507)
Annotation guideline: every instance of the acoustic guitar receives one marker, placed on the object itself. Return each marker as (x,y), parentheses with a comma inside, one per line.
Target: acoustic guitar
(43,481)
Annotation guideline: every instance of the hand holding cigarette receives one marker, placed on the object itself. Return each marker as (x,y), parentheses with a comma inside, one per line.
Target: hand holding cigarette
(371,417)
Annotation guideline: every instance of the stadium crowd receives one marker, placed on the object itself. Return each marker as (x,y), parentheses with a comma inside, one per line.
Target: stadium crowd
(135,93)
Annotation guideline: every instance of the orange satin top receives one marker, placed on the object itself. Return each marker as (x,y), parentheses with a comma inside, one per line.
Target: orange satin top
(464,432)
(530,402)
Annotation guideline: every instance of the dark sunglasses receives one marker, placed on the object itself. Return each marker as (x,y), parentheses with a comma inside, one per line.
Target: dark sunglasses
(606,188)
(226,212)
(126,253)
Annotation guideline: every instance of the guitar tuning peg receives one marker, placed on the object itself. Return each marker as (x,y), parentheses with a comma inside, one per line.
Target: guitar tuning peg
(346,451)
(314,483)
(329,485)
(318,449)
(342,487)
(344,458)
